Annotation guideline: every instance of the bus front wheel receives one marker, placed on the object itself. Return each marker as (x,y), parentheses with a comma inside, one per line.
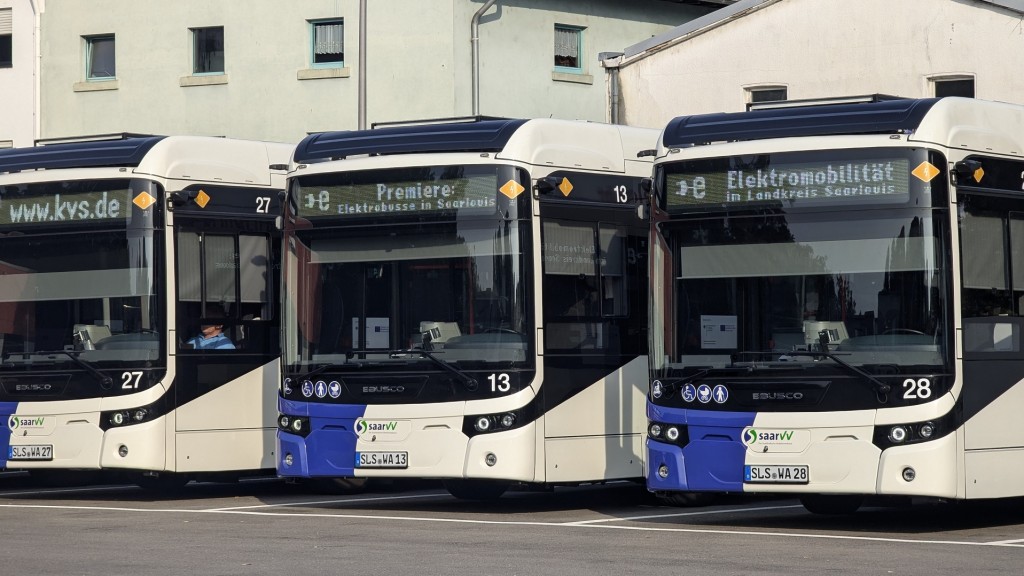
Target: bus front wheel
(832,504)
(476,489)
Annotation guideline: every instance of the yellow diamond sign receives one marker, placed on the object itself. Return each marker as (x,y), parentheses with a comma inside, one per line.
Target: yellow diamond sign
(925,171)
(144,200)
(202,199)
(565,187)
(512,189)
(979,174)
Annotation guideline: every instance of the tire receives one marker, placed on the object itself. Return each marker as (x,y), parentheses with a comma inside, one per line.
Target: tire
(338,486)
(685,499)
(476,489)
(163,482)
(832,504)
(64,478)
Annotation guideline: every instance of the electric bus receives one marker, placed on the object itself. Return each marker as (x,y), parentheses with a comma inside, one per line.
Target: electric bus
(837,302)
(114,255)
(466,301)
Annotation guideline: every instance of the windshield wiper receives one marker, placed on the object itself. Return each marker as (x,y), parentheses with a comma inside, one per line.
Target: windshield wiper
(881,388)
(105,381)
(468,381)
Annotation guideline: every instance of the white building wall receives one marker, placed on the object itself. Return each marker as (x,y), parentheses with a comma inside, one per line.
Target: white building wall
(418,63)
(18,83)
(826,48)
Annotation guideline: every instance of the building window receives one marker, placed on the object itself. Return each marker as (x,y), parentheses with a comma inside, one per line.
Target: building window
(954,86)
(568,49)
(328,43)
(768,94)
(99,58)
(208,50)
(6,38)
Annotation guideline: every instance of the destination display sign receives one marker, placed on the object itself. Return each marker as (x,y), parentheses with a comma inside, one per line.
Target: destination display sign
(69,203)
(599,188)
(813,183)
(429,191)
(201,199)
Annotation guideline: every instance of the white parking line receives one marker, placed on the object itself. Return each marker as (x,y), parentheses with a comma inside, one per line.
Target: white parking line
(681,514)
(559,525)
(335,501)
(46,491)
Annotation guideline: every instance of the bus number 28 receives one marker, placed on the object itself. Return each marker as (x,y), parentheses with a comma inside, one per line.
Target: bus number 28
(917,389)
(500,382)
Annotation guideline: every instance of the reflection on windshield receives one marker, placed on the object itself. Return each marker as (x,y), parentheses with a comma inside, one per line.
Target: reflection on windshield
(772,284)
(91,293)
(455,290)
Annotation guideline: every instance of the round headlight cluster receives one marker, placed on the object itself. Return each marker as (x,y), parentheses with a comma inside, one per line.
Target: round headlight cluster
(494,422)
(902,433)
(292,424)
(665,432)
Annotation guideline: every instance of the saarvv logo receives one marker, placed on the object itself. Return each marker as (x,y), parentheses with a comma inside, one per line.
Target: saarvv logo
(365,426)
(14,422)
(752,436)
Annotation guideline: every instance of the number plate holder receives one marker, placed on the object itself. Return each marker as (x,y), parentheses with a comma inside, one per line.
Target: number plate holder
(30,452)
(394,460)
(776,474)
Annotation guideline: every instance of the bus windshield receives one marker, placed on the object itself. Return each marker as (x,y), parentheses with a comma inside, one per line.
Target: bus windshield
(358,297)
(80,291)
(862,278)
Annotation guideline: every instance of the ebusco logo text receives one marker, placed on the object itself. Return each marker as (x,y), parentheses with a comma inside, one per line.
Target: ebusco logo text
(366,426)
(15,422)
(751,436)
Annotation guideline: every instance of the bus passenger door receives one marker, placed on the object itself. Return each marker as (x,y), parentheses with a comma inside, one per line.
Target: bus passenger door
(992,308)
(226,378)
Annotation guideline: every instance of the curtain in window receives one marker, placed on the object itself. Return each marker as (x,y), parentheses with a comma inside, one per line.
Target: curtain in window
(327,38)
(567,43)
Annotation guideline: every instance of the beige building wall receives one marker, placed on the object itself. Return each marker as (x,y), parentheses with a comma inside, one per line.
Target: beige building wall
(418,63)
(18,83)
(827,48)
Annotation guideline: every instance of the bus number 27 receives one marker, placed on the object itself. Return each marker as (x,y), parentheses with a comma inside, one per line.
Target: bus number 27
(500,382)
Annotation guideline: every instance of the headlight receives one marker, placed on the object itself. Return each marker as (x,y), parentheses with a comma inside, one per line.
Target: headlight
(655,430)
(897,434)
(483,424)
(927,430)
(672,433)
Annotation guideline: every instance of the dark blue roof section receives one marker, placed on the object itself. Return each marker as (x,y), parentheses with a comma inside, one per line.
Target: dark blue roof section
(123,152)
(887,116)
(478,136)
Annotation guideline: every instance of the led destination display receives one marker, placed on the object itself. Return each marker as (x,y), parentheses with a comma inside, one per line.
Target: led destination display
(793,184)
(54,204)
(436,191)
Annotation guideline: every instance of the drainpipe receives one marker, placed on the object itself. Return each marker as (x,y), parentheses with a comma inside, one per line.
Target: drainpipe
(362,65)
(610,61)
(38,7)
(474,39)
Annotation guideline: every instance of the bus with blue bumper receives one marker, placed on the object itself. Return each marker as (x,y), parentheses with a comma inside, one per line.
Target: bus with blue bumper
(466,301)
(836,302)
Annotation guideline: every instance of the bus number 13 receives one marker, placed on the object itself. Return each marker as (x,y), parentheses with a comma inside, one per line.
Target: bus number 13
(500,382)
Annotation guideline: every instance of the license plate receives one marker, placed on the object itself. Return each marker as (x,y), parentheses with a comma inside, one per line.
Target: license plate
(31,452)
(776,474)
(382,459)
